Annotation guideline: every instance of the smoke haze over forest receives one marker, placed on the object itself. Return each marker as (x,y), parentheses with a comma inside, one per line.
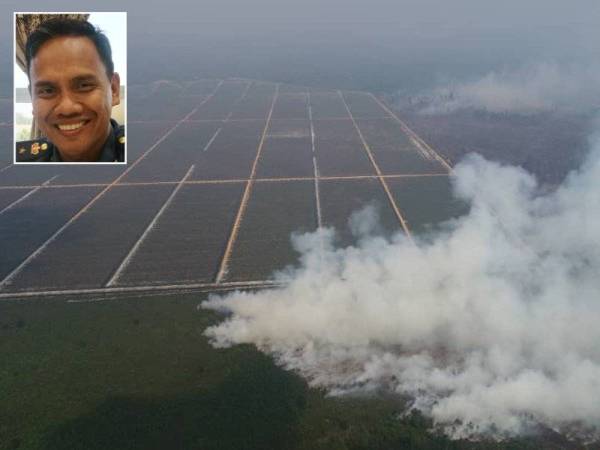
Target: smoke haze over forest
(489,325)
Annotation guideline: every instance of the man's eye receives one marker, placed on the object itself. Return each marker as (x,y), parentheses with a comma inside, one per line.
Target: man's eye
(44,92)
(86,87)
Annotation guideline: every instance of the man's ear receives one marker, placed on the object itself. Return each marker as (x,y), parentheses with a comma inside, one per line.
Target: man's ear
(115,88)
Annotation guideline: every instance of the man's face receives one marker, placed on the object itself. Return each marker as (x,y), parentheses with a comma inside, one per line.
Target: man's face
(72,96)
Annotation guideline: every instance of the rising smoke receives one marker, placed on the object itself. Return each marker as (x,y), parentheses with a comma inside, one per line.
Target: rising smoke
(490,327)
(534,88)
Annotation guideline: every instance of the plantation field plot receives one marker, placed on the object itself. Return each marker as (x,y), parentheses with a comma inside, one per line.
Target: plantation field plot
(28,175)
(362,105)
(6,110)
(172,157)
(393,150)
(6,145)
(87,252)
(341,199)
(257,102)
(164,224)
(287,151)
(291,89)
(327,105)
(86,174)
(275,211)
(286,157)
(8,196)
(220,105)
(425,201)
(231,153)
(200,88)
(26,226)
(289,128)
(142,135)
(189,239)
(163,104)
(339,149)
(291,106)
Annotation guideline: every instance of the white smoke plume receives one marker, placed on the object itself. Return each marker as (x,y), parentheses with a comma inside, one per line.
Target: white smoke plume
(536,88)
(491,327)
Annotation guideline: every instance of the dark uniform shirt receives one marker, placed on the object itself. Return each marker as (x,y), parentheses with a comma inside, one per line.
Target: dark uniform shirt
(42,150)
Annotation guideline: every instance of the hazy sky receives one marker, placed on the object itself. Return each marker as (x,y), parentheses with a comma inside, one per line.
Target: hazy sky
(337,38)
(408,14)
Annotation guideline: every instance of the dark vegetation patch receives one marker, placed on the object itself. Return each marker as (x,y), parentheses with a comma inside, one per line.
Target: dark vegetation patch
(136,372)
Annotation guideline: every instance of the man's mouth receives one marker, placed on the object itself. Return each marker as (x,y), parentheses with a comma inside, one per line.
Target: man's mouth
(71,128)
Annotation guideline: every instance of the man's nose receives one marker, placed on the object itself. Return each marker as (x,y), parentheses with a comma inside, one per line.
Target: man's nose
(68,105)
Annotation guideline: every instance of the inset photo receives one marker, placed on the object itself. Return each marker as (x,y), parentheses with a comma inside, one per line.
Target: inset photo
(70,87)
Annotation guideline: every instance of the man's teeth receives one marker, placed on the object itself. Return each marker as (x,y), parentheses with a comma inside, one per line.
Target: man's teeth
(71,127)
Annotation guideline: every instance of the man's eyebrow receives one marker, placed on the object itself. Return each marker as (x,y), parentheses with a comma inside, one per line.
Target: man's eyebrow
(84,78)
(43,83)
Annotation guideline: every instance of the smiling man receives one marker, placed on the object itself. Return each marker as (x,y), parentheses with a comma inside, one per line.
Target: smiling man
(73,89)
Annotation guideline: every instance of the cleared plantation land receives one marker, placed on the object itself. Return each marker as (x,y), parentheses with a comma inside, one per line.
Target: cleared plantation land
(187,242)
(6,138)
(220,173)
(339,149)
(172,158)
(287,150)
(426,201)
(291,106)
(85,255)
(393,149)
(340,199)
(166,100)
(28,225)
(363,106)
(327,105)
(13,175)
(220,105)
(257,102)
(231,153)
(9,196)
(268,224)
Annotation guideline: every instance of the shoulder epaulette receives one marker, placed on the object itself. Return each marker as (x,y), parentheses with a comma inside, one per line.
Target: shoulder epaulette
(34,150)
(120,143)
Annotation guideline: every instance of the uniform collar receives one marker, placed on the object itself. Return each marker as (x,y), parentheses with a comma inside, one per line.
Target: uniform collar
(108,153)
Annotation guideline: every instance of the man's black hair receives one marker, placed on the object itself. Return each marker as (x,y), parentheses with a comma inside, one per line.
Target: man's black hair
(58,27)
